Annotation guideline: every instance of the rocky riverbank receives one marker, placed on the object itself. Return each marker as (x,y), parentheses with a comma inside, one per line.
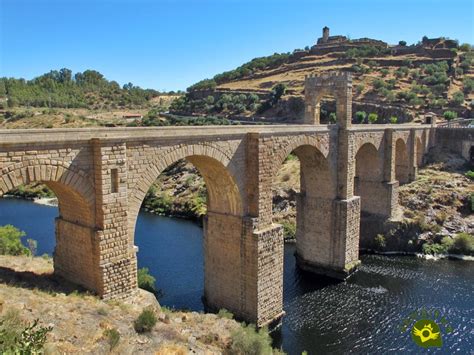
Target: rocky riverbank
(82,323)
(436,211)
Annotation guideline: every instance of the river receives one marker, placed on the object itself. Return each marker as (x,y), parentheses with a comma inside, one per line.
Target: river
(362,315)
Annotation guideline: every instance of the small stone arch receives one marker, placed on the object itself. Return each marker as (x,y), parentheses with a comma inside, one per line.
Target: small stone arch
(402,162)
(72,187)
(337,84)
(367,177)
(369,165)
(282,154)
(420,151)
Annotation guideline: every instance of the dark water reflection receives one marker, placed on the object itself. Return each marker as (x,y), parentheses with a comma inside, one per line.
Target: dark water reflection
(360,316)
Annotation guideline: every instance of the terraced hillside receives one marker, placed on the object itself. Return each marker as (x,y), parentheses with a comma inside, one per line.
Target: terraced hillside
(403,81)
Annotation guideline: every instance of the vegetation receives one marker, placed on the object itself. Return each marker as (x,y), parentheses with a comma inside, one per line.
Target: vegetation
(19,337)
(113,337)
(249,341)
(224,313)
(145,280)
(450,115)
(373,117)
(60,88)
(10,241)
(470,174)
(365,52)
(463,243)
(289,230)
(360,116)
(145,321)
(225,104)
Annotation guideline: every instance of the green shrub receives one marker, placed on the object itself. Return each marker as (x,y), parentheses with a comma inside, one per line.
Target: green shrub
(15,338)
(360,116)
(463,244)
(393,120)
(434,248)
(450,115)
(458,98)
(447,242)
(471,202)
(332,117)
(10,241)
(247,340)
(373,117)
(113,337)
(145,280)
(145,321)
(470,174)
(224,313)
(379,242)
(289,230)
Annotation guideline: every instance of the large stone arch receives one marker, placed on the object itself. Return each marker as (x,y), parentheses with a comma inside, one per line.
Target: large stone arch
(402,161)
(220,175)
(75,254)
(223,223)
(73,187)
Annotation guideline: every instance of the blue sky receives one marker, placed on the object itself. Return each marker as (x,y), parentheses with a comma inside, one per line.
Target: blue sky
(171,44)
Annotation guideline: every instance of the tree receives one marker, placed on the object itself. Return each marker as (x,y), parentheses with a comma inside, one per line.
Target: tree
(468,84)
(465,47)
(10,241)
(402,43)
(458,98)
(65,75)
(277,92)
(450,115)
(360,116)
(373,117)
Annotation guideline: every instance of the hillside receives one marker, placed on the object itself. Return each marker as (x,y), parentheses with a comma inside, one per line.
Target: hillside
(59,99)
(404,81)
(79,322)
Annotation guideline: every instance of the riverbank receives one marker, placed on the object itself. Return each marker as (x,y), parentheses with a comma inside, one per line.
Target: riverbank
(82,323)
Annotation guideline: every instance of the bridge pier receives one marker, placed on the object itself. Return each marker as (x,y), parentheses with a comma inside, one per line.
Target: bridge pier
(243,268)
(76,254)
(327,238)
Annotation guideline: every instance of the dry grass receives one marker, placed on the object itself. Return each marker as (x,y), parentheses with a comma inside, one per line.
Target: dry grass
(80,320)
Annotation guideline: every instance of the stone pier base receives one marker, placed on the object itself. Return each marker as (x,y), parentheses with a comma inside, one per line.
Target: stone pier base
(243,268)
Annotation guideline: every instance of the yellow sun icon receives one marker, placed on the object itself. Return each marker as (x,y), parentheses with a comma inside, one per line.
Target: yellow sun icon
(426,333)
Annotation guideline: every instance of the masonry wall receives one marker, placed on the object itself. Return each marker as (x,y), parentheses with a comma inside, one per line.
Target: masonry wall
(458,140)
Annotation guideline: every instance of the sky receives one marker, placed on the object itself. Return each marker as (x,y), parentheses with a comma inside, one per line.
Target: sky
(171,44)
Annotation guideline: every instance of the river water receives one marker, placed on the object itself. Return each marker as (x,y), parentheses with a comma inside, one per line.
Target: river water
(362,315)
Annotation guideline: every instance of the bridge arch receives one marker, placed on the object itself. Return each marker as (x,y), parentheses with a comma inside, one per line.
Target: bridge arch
(75,226)
(223,222)
(219,173)
(420,149)
(314,203)
(402,161)
(71,186)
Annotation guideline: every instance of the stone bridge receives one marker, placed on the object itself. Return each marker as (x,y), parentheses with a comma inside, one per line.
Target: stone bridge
(101,177)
